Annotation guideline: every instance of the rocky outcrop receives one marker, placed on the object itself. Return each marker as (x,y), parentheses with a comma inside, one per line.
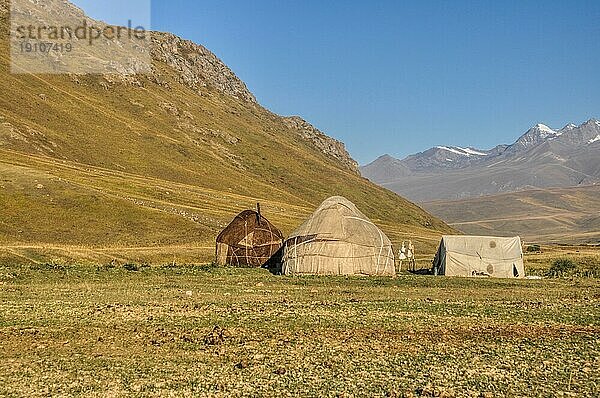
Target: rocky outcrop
(329,146)
(190,64)
(196,66)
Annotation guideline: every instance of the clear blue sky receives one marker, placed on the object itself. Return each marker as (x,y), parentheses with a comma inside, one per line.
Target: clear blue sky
(399,77)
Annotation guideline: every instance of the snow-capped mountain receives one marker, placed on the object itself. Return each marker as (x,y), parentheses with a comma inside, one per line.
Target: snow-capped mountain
(535,136)
(568,128)
(444,157)
(541,157)
(462,151)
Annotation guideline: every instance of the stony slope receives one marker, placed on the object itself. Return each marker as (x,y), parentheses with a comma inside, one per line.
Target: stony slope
(151,167)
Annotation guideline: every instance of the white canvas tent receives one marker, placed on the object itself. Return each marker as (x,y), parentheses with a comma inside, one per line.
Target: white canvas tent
(479,256)
(337,239)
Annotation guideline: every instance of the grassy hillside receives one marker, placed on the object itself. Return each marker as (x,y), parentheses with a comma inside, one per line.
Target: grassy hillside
(560,215)
(147,169)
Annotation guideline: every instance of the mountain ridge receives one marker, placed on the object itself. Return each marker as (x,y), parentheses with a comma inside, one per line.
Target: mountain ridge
(541,157)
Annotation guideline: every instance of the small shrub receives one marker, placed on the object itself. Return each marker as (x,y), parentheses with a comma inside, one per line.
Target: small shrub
(208,267)
(49,266)
(131,267)
(107,266)
(533,249)
(562,267)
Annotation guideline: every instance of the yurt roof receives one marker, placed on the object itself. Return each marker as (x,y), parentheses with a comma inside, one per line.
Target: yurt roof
(245,222)
(337,218)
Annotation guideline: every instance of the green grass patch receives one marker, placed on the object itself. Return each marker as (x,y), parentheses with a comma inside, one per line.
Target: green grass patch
(86,330)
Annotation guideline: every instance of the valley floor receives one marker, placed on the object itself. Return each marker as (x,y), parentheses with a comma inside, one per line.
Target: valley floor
(114,331)
(552,215)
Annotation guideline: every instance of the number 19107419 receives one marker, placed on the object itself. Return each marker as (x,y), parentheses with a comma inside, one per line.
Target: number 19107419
(46,48)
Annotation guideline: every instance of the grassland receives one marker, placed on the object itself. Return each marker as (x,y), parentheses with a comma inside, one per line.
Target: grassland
(115,331)
(553,215)
(99,178)
(586,258)
(57,210)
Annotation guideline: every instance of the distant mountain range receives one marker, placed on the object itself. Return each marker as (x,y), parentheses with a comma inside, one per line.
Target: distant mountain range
(542,157)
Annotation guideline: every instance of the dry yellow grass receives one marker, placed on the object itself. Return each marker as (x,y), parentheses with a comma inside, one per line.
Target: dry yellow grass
(65,211)
(553,215)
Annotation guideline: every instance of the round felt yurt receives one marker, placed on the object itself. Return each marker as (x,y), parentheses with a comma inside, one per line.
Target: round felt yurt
(337,239)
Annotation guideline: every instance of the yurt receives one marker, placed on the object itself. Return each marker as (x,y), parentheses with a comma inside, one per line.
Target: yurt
(487,256)
(248,241)
(337,239)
